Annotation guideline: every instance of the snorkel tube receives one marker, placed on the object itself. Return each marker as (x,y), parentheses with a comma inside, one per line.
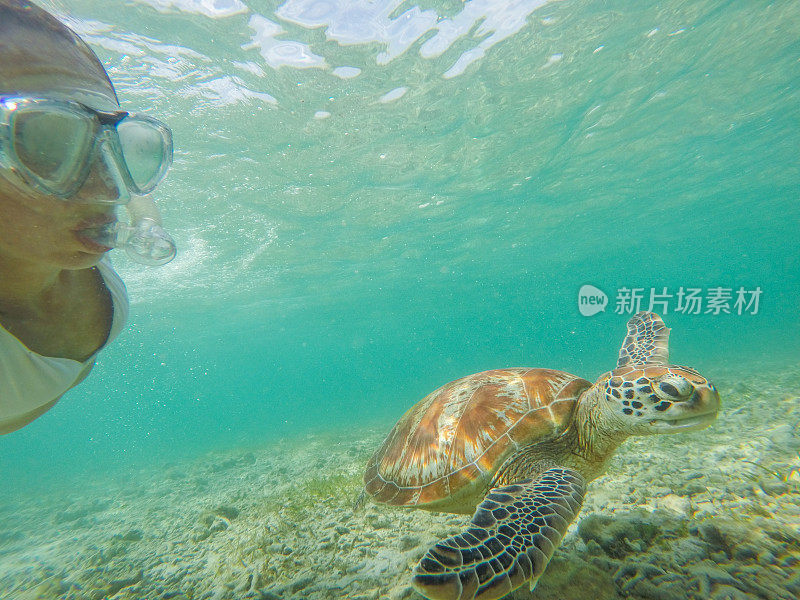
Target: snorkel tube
(142,238)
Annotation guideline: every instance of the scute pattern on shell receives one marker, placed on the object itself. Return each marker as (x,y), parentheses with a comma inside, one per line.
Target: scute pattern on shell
(466,429)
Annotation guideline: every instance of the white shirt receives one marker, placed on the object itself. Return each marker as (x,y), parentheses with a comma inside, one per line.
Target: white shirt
(29,380)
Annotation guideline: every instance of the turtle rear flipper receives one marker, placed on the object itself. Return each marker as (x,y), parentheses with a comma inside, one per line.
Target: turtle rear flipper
(513,534)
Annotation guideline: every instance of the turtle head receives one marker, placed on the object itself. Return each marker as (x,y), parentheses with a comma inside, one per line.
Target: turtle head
(647,395)
(660,399)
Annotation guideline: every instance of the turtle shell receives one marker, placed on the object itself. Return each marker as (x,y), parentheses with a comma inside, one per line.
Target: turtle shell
(460,435)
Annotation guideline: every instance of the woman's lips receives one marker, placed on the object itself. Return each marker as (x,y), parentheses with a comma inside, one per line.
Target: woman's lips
(89,244)
(88,229)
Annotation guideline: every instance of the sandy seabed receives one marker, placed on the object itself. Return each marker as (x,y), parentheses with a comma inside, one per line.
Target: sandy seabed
(705,515)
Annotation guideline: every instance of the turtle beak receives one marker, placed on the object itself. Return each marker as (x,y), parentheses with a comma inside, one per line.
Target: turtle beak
(695,413)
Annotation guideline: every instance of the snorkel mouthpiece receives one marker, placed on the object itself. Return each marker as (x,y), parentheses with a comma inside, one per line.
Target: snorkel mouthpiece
(144,241)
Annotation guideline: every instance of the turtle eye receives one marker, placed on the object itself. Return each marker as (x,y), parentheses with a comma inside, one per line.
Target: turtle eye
(674,387)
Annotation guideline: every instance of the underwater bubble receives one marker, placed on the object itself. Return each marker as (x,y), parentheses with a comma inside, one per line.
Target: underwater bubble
(393,95)
(347,72)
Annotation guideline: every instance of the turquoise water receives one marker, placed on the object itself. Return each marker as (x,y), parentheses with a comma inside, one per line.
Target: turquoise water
(373,198)
(343,252)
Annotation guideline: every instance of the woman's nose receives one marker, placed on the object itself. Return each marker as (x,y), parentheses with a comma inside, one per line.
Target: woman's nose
(104,183)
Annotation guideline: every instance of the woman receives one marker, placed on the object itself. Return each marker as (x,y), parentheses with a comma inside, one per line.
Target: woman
(69,157)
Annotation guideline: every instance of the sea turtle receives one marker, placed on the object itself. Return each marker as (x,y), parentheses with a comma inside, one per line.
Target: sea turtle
(521,444)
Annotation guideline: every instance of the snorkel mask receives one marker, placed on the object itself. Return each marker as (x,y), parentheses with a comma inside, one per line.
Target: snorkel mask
(51,146)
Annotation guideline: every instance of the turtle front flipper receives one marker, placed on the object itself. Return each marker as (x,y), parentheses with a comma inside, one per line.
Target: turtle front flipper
(512,536)
(647,342)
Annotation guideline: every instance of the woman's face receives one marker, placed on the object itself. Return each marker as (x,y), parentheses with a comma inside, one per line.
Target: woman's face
(39,60)
(52,231)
